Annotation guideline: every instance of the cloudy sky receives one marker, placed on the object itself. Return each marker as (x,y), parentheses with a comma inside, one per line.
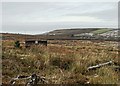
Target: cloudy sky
(40,17)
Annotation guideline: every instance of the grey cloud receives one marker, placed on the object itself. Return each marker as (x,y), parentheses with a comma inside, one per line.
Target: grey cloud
(111,14)
(14,13)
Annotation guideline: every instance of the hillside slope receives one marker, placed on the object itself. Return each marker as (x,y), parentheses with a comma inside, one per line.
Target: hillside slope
(71,31)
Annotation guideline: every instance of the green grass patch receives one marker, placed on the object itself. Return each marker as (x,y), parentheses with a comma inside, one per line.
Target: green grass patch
(100,31)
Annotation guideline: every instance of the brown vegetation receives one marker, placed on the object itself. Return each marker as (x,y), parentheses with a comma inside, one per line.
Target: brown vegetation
(63,62)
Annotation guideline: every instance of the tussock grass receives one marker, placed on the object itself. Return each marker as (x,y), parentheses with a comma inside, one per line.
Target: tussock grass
(62,64)
(105,75)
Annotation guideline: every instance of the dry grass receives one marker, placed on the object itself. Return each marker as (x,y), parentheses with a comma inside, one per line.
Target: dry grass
(63,63)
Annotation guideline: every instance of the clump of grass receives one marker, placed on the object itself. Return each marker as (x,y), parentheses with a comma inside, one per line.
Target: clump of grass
(67,61)
(55,61)
(63,62)
(105,75)
(76,78)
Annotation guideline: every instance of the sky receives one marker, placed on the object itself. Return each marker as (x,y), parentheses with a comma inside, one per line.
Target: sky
(41,17)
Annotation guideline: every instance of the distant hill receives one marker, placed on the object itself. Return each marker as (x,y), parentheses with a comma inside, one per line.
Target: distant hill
(71,31)
(59,34)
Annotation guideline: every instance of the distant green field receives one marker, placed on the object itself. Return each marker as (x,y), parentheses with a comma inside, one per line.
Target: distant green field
(100,31)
